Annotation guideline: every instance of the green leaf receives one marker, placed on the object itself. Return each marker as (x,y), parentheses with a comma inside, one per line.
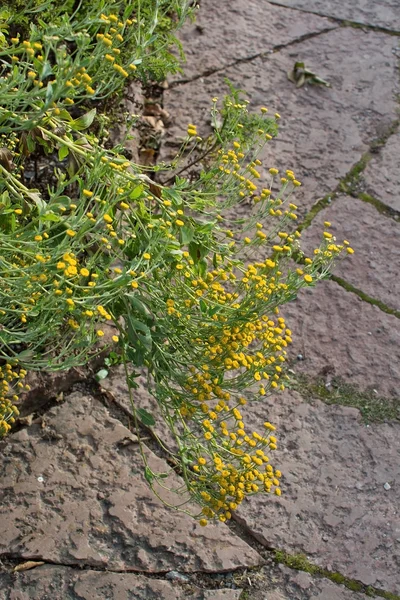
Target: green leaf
(136,192)
(148,473)
(203,306)
(146,417)
(187,234)
(63,152)
(102,374)
(84,121)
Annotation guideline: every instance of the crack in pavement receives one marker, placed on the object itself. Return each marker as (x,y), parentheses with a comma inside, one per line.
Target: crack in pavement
(264,53)
(342,22)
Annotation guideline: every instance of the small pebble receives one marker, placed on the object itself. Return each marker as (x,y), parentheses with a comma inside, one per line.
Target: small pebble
(40,479)
(299,357)
(387,486)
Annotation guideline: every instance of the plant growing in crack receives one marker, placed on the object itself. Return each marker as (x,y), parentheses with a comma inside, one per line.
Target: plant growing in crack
(170,268)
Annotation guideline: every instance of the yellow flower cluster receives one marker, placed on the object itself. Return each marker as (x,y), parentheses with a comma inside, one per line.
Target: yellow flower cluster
(11,384)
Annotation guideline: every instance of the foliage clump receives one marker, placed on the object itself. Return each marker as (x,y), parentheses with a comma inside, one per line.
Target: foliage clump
(172,268)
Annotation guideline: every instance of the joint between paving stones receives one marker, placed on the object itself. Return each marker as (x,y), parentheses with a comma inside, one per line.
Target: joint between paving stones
(247,59)
(339,21)
(365,297)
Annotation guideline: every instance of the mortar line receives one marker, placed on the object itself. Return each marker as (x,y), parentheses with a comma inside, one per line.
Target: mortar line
(264,54)
(342,22)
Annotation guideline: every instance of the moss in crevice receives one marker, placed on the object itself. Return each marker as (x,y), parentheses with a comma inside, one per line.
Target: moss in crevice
(373,408)
(349,183)
(364,27)
(365,297)
(300,562)
(381,207)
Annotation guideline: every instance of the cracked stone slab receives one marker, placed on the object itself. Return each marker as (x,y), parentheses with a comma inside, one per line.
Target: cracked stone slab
(63,583)
(334,507)
(323,131)
(337,333)
(242,30)
(73,492)
(384,13)
(373,268)
(382,174)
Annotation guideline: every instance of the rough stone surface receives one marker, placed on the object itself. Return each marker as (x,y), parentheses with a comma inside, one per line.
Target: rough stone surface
(323,131)
(382,175)
(64,583)
(242,30)
(73,492)
(338,333)
(116,388)
(376,241)
(384,13)
(334,507)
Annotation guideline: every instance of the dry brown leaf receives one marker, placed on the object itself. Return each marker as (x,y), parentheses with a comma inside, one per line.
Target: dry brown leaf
(29,564)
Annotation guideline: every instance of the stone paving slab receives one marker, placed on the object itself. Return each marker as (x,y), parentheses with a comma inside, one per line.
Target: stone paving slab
(240,30)
(382,175)
(337,333)
(376,240)
(117,390)
(323,131)
(73,492)
(63,583)
(384,13)
(334,507)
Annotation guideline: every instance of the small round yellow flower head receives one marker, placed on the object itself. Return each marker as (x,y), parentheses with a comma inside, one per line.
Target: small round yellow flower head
(84,272)
(308,278)
(87,193)
(115,338)
(70,232)
(146,256)
(327,223)
(349,250)
(264,109)
(277,115)
(273,171)
(100,333)
(203,522)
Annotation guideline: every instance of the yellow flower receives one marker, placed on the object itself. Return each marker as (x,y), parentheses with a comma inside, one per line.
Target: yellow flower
(308,278)
(87,193)
(108,219)
(84,272)
(147,256)
(115,338)
(349,250)
(70,232)
(100,333)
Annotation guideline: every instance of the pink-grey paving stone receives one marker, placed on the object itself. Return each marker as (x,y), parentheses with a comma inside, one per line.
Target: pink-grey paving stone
(63,583)
(384,13)
(117,390)
(338,334)
(73,492)
(241,31)
(382,174)
(334,507)
(323,131)
(375,238)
